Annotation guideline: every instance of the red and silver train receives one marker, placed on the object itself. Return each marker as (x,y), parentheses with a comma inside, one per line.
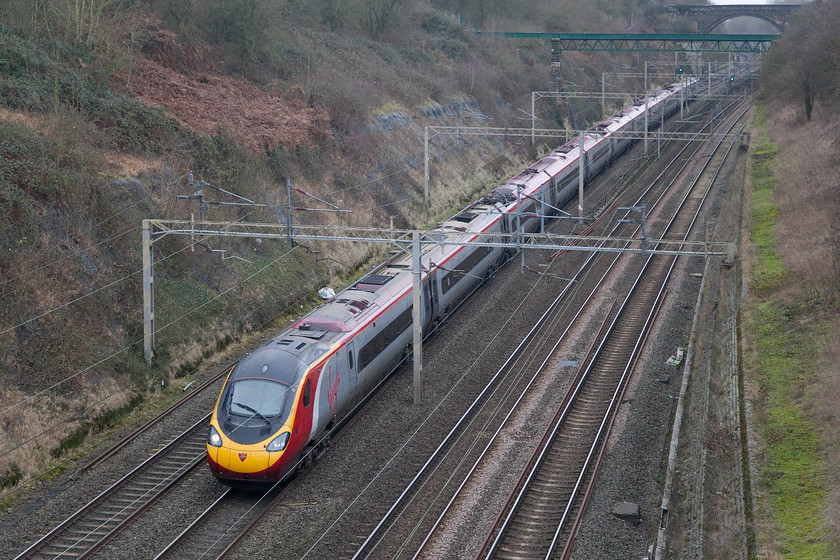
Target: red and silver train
(278,400)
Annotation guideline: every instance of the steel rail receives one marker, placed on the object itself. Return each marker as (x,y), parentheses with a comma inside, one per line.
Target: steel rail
(619,390)
(192,526)
(698,148)
(707,163)
(563,418)
(394,508)
(148,424)
(568,546)
(303,460)
(109,512)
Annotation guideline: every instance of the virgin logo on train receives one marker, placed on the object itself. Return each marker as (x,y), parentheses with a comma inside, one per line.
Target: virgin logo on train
(242,456)
(332,391)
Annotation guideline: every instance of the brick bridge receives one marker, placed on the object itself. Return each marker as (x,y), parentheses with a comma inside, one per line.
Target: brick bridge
(709,16)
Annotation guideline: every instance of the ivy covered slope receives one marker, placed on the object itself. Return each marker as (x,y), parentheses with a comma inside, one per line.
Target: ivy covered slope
(106,106)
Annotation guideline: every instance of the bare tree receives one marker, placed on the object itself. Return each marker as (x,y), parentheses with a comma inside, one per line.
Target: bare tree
(332,14)
(84,17)
(378,14)
(803,64)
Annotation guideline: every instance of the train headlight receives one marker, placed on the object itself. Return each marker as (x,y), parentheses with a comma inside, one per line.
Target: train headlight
(213,438)
(279,443)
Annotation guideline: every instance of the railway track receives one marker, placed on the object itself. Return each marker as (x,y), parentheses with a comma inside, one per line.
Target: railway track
(400,532)
(543,513)
(131,436)
(86,531)
(95,528)
(216,531)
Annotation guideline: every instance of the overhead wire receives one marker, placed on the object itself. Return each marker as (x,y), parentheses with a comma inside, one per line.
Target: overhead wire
(111,284)
(89,229)
(64,258)
(407,168)
(127,347)
(367,183)
(87,448)
(58,383)
(431,413)
(214,298)
(94,292)
(426,420)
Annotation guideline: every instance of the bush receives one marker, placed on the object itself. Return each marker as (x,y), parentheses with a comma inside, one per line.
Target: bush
(10,477)
(75,439)
(32,80)
(110,418)
(132,125)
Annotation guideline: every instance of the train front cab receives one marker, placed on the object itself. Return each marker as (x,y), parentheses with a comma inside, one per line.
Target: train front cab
(262,419)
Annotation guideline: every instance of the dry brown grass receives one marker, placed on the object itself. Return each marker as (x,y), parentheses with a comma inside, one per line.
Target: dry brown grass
(807,194)
(131,165)
(30,120)
(49,419)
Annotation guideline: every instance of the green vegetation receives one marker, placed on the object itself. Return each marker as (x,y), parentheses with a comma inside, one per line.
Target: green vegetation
(10,476)
(770,271)
(104,421)
(110,418)
(75,439)
(794,471)
(48,78)
(782,366)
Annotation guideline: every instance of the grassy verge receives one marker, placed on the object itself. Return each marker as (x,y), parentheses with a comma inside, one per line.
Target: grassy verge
(781,365)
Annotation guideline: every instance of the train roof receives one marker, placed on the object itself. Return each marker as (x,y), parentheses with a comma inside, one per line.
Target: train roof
(312,336)
(283,359)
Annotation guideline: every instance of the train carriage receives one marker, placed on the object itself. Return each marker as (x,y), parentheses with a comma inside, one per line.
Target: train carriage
(277,401)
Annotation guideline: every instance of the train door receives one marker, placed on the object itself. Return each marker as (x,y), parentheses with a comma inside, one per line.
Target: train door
(352,361)
(584,160)
(542,209)
(431,302)
(506,228)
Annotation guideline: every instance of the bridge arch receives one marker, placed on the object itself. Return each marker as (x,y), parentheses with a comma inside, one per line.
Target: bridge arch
(744,13)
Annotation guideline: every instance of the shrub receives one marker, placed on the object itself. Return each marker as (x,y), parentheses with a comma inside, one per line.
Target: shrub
(110,417)
(10,477)
(75,439)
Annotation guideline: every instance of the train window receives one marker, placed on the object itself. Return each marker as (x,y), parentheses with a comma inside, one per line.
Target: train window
(350,358)
(384,338)
(306,394)
(465,217)
(464,267)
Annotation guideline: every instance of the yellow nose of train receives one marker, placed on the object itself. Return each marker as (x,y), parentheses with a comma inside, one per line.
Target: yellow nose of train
(247,463)
(232,461)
